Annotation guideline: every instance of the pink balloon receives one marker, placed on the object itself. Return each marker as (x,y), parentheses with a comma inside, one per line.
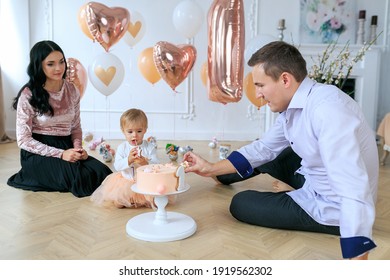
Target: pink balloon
(77,74)
(107,25)
(173,62)
(226,44)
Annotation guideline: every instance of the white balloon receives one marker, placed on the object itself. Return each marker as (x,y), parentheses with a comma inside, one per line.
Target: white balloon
(257,43)
(136,30)
(187,18)
(106,73)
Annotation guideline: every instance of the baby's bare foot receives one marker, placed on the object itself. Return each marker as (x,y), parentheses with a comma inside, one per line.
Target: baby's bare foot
(384,157)
(281,187)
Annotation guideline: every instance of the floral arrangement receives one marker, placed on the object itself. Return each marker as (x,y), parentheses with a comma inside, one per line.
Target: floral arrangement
(332,67)
(327,19)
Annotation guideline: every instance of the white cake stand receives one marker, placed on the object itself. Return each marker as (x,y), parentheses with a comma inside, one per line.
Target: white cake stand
(161,226)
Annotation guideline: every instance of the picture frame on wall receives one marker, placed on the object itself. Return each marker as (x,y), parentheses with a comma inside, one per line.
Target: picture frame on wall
(326,21)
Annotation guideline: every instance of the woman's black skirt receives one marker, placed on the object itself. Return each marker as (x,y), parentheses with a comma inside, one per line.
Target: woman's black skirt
(41,173)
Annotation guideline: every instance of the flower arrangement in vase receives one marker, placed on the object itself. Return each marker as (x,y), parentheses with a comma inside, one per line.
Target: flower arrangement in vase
(335,64)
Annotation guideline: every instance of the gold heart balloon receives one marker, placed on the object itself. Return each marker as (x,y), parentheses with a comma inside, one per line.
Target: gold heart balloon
(134,28)
(173,62)
(106,25)
(106,73)
(105,76)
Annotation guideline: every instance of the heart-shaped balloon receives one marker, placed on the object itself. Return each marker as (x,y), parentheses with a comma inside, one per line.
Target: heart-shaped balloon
(173,62)
(106,25)
(136,30)
(77,74)
(104,75)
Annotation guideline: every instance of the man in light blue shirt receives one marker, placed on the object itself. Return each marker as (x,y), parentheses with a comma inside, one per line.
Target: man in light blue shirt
(320,145)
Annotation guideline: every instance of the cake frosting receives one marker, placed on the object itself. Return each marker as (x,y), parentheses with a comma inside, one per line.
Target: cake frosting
(160,178)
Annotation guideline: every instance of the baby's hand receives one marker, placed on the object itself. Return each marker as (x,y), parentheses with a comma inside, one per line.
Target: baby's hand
(133,155)
(142,161)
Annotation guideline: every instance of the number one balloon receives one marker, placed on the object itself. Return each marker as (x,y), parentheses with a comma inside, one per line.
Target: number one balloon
(226,43)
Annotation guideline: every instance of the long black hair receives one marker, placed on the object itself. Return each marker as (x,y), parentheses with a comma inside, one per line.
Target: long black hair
(40,97)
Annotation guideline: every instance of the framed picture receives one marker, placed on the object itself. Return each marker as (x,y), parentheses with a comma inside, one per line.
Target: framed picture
(325,21)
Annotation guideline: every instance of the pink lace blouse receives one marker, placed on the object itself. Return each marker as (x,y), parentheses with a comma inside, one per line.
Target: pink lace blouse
(64,122)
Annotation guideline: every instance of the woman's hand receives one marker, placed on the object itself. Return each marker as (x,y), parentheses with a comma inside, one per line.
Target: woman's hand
(73,155)
(84,154)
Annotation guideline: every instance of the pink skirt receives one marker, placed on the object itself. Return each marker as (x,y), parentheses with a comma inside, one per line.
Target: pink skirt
(116,190)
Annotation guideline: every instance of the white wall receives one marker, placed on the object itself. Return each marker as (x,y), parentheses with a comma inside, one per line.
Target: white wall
(187,114)
(14,53)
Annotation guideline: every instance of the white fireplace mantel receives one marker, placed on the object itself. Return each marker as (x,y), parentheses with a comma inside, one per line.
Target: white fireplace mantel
(365,72)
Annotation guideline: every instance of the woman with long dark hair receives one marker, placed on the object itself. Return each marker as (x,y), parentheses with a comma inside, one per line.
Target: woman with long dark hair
(48,129)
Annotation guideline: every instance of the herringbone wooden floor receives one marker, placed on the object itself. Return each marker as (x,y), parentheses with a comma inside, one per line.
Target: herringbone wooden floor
(59,226)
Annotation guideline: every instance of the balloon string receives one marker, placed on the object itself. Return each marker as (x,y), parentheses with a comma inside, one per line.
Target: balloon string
(223,122)
(258,112)
(94,114)
(190,92)
(174,116)
(108,116)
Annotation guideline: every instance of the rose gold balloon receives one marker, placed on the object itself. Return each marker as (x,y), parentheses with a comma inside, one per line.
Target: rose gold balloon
(107,25)
(174,62)
(226,44)
(77,74)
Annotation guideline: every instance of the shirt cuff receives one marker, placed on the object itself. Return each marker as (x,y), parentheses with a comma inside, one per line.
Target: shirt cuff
(355,246)
(241,164)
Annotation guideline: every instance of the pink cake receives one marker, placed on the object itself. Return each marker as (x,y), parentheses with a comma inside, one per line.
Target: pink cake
(159,178)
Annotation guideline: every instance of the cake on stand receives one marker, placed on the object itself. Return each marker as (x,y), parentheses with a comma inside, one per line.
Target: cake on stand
(162,225)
